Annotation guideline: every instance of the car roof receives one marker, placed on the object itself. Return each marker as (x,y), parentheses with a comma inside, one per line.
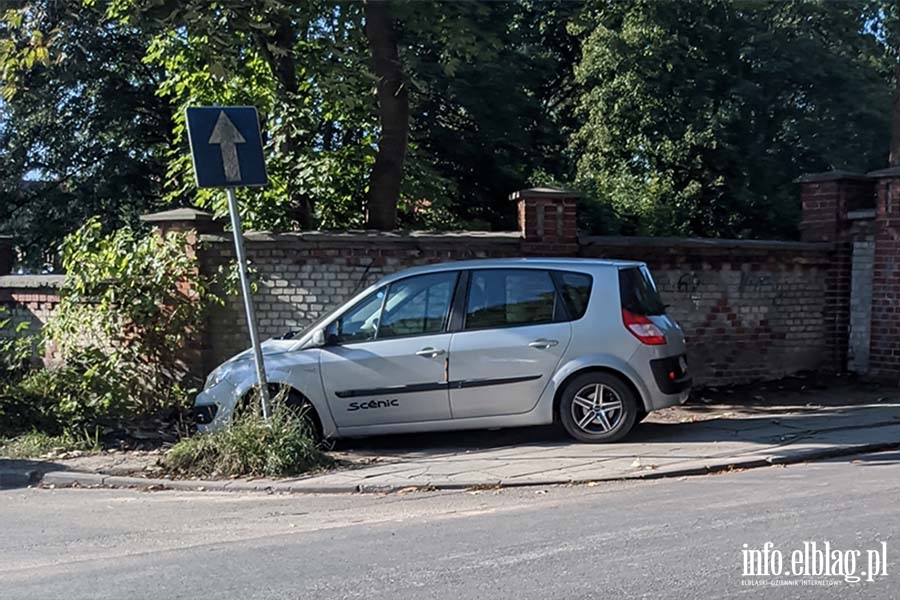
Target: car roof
(503,263)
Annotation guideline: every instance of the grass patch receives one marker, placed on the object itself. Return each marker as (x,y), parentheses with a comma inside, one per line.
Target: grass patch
(250,447)
(37,444)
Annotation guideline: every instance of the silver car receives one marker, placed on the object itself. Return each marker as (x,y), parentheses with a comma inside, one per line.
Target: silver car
(477,344)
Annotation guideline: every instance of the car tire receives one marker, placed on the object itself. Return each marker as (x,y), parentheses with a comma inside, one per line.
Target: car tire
(304,408)
(606,421)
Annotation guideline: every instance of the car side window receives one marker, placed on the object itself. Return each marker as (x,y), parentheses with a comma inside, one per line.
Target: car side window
(510,297)
(360,323)
(418,305)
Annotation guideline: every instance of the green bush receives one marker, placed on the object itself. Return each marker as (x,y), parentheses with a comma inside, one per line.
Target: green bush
(16,347)
(128,309)
(50,400)
(250,447)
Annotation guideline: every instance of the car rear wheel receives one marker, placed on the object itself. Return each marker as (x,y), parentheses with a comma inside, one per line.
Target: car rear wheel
(598,408)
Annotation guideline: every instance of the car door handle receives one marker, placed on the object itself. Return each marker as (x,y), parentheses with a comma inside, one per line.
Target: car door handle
(430,352)
(542,343)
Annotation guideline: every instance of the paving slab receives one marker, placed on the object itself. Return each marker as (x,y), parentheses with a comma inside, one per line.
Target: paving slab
(734,439)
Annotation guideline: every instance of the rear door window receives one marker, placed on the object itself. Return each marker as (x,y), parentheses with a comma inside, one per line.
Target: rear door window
(638,292)
(510,297)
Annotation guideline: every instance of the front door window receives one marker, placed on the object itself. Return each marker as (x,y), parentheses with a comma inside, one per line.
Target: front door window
(387,363)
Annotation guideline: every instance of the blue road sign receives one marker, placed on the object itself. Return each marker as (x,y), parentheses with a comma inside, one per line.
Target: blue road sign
(226,146)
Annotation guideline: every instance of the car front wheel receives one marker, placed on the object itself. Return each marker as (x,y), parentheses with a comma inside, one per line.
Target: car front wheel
(598,408)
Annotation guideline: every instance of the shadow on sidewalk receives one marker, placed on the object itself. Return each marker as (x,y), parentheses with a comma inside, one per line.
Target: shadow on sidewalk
(742,424)
(19,473)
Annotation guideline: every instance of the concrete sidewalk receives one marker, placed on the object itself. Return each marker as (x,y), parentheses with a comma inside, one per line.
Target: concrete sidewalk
(686,441)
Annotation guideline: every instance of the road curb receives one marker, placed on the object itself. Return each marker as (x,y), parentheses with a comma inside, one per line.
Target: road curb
(294,486)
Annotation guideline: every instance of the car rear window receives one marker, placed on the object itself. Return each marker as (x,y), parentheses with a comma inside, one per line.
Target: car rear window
(576,291)
(638,292)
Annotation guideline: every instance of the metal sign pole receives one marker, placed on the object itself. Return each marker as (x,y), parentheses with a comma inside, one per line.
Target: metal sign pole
(248,302)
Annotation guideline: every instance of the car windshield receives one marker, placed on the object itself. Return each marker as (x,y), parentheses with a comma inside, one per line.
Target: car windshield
(328,315)
(394,302)
(638,292)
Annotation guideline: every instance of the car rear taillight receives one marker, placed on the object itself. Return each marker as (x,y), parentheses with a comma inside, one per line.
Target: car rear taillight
(643,328)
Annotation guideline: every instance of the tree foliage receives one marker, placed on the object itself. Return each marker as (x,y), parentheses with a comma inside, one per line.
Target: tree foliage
(687,118)
(698,115)
(82,131)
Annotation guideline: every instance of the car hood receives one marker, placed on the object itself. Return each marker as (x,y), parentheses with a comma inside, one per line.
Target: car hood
(272,347)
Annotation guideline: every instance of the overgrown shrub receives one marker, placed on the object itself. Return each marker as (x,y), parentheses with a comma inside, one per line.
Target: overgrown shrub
(250,447)
(75,394)
(127,309)
(16,347)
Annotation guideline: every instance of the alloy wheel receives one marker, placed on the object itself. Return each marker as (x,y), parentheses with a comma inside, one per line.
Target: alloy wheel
(597,408)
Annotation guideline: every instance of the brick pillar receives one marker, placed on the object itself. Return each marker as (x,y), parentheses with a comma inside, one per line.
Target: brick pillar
(884,349)
(193,223)
(548,221)
(826,200)
(7,254)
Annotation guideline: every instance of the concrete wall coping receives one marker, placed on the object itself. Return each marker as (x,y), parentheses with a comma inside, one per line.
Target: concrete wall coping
(889,172)
(831,176)
(32,281)
(675,243)
(177,214)
(373,237)
(543,192)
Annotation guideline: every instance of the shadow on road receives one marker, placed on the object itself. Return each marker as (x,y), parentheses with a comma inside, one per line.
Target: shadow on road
(19,473)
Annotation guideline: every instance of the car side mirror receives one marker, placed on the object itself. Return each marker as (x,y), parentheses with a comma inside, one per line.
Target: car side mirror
(318,338)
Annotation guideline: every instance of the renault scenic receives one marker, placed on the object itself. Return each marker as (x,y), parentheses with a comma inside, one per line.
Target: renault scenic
(477,344)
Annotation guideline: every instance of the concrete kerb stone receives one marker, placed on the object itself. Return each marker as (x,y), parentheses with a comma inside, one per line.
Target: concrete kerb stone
(72,478)
(75,479)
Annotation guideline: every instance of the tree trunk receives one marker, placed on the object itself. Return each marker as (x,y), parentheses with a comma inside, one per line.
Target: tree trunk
(894,157)
(284,69)
(393,113)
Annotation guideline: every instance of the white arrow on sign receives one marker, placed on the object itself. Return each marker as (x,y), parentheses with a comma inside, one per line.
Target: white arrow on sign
(227,136)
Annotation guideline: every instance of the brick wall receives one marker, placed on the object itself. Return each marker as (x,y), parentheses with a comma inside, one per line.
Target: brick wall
(884,352)
(28,299)
(827,199)
(302,275)
(749,310)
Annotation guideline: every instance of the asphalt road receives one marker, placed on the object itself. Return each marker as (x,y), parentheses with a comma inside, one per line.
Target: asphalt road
(663,539)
